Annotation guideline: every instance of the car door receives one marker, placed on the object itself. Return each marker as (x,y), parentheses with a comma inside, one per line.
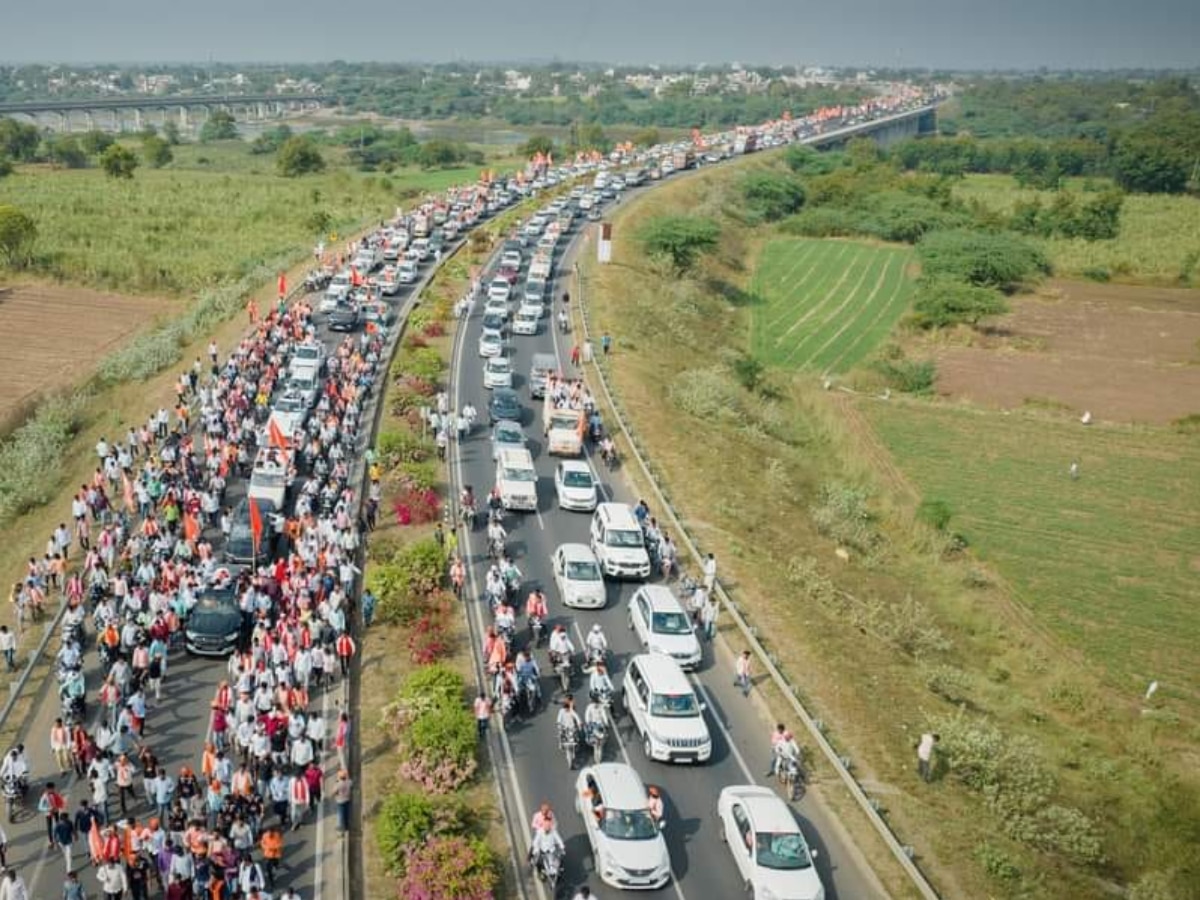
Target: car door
(743,833)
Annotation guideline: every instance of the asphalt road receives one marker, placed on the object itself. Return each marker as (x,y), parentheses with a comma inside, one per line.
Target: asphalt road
(176,729)
(530,761)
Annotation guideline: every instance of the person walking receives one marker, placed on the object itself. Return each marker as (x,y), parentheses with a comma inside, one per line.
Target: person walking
(341,740)
(925,751)
(743,679)
(575,353)
(710,572)
(64,838)
(13,887)
(483,714)
(605,343)
(113,882)
(72,889)
(50,804)
(708,618)
(343,797)
(8,646)
(60,745)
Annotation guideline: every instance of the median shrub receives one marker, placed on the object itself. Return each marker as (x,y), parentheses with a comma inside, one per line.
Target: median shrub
(404,584)
(449,868)
(416,506)
(400,445)
(425,363)
(407,819)
(429,639)
(437,751)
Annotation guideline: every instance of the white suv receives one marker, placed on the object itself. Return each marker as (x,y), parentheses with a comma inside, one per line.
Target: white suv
(665,710)
(619,543)
(662,625)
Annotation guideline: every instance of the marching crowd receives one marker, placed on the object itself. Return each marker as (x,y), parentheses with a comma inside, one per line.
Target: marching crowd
(140,535)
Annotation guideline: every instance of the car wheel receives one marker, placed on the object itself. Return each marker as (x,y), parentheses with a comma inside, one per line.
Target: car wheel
(647,747)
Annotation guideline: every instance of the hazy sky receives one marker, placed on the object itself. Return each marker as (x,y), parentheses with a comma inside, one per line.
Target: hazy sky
(938,33)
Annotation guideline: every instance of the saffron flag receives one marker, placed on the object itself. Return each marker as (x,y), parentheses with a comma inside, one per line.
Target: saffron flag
(282,285)
(275,435)
(256,525)
(371,328)
(127,488)
(191,526)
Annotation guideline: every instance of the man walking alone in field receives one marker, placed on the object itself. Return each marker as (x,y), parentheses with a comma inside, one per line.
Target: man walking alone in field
(925,755)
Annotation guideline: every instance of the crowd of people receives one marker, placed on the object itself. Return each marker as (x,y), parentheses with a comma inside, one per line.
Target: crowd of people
(138,555)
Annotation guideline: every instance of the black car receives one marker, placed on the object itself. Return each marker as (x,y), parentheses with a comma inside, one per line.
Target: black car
(345,317)
(504,406)
(214,624)
(240,546)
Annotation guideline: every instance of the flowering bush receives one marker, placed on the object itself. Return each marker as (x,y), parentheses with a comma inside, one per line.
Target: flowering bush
(449,868)
(407,819)
(417,506)
(400,445)
(404,585)
(427,641)
(414,340)
(435,774)
(433,329)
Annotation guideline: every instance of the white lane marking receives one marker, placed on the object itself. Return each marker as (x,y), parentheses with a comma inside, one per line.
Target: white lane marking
(616,733)
(541,521)
(476,613)
(725,731)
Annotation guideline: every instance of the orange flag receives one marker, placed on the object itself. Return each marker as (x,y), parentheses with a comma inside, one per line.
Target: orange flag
(371,328)
(256,524)
(275,435)
(127,489)
(282,285)
(95,842)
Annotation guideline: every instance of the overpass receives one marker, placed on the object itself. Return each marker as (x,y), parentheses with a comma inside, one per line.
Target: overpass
(118,113)
(888,129)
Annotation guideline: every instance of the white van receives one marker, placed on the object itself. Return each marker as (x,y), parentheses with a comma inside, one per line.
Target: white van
(618,542)
(517,479)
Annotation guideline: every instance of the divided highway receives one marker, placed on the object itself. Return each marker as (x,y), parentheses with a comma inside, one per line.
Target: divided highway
(532,767)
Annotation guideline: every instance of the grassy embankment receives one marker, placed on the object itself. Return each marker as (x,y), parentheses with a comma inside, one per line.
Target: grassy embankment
(1160,235)
(908,635)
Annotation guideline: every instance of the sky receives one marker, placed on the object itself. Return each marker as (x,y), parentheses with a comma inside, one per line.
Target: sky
(960,34)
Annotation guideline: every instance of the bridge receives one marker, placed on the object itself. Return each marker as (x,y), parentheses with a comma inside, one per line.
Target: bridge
(132,113)
(888,129)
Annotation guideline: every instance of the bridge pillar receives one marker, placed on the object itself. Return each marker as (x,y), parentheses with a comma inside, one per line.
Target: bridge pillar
(64,124)
(183,118)
(137,119)
(116,120)
(89,120)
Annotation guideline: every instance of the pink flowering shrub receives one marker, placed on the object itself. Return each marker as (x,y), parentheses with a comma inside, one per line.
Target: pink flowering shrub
(433,329)
(427,639)
(449,868)
(417,506)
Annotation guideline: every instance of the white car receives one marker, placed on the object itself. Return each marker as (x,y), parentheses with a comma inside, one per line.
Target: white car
(499,289)
(309,354)
(627,845)
(662,625)
(495,306)
(766,843)
(530,308)
(497,372)
(575,486)
(407,273)
(511,258)
(665,710)
(577,575)
(337,290)
(490,344)
(526,322)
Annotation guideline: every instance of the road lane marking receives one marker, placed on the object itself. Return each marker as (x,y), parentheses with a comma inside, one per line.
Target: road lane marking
(721,725)
(541,521)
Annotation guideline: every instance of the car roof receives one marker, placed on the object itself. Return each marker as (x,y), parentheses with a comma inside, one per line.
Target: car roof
(508,425)
(577,552)
(660,598)
(512,456)
(506,393)
(620,785)
(575,465)
(663,673)
(765,808)
(617,514)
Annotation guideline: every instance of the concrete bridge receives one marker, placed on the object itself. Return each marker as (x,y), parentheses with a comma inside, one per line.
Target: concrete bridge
(134,113)
(885,130)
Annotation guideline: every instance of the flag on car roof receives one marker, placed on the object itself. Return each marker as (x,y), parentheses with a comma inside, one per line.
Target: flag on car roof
(256,524)
(275,435)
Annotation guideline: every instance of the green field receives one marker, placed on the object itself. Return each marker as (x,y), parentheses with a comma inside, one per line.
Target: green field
(826,304)
(1158,232)
(209,217)
(1109,561)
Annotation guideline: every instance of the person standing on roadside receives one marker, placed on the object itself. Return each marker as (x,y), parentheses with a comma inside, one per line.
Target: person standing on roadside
(925,751)
(710,572)
(744,678)
(343,795)
(8,646)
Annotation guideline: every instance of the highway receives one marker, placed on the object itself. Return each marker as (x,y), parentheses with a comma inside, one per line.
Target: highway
(531,765)
(177,727)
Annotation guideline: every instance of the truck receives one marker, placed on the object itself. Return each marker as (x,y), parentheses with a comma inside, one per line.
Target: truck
(683,159)
(420,225)
(745,143)
(541,266)
(564,426)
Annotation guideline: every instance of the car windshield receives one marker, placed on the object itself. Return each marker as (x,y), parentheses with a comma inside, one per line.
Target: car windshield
(509,436)
(289,404)
(515,474)
(629,825)
(583,570)
(489,337)
(564,422)
(674,706)
(307,352)
(783,851)
(302,384)
(621,538)
(493,321)
(669,623)
(499,365)
(577,479)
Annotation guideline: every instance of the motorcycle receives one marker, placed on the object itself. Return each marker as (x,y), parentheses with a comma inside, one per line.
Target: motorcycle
(531,696)
(562,667)
(508,705)
(549,867)
(14,796)
(596,656)
(568,742)
(790,777)
(597,734)
(536,631)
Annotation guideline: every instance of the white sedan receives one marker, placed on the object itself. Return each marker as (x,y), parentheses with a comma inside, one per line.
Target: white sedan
(577,575)
(627,845)
(497,372)
(575,486)
(499,289)
(770,852)
(495,307)
(490,344)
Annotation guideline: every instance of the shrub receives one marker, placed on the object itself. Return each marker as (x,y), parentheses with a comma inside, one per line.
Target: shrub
(405,584)
(942,302)
(1097,273)
(823,221)
(841,513)
(416,506)
(422,476)
(449,868)
(431,686)
(804,574)
(904,216)
(401,445)
(807,161)
(438,748)
(935,513)
(949,682)
(407,819)
(987,259)
(680,240)
(31,460)
(424,363)
(996,862)
(908,375)
(771,195)
(708,394)
(427,639)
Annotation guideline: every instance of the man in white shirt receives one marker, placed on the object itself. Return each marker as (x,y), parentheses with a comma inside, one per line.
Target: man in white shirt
(710,572)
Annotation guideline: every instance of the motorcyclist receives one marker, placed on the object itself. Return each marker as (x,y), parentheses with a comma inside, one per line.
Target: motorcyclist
(543,815)
(563,320)
(466,499)
(511,574)
(594,718)
(597,643)
(493,584)
(607,448)
(546,841)
(599,684)
(495,504)
(15,765)
(560,645)
(535,605)
(496,534)
(506,618)
(527,669)
(505,684)
(568,720)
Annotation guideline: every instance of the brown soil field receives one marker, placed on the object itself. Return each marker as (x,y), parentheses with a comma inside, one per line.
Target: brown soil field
(1126,354)
(54,336)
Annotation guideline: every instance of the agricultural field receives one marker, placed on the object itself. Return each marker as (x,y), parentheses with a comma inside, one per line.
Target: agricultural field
(826,304)
(1107,561)
(207,218)
(1159,240)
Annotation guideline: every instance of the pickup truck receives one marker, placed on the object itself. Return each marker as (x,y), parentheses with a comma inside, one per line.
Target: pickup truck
(540,268)
(389,281)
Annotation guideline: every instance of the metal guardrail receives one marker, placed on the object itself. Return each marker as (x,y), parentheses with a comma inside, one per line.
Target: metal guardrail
(902,854)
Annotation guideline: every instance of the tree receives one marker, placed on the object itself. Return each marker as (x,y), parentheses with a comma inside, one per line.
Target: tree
(647,137)
(318,222)
(220,126)
(170,132)
(538,143)
(156,151)
(118,162)
(981,258)
(941,302)
(592,137)
(19,141)
(679,239)
(1147,165)
(6,166)
(772,195)
(18,232)
(299,156)
(96,142)
(438,152)
(64,150)
(271,139)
